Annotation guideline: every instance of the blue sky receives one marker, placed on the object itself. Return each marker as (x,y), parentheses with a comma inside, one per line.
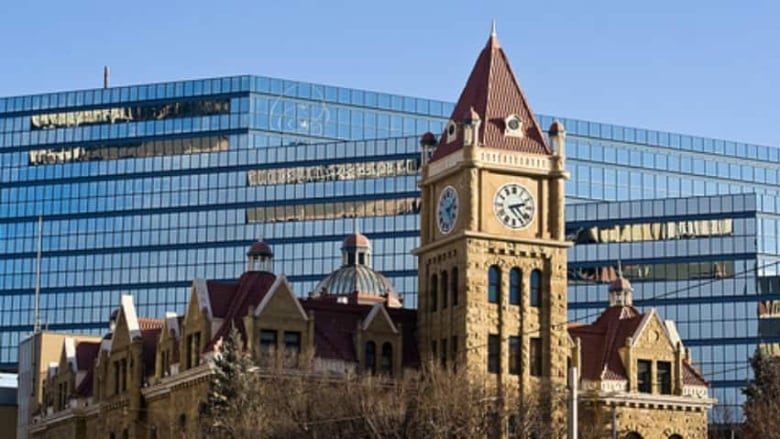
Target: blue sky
(700,67)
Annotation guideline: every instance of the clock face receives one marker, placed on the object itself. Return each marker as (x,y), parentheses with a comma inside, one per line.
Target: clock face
(514,206)
(447,209)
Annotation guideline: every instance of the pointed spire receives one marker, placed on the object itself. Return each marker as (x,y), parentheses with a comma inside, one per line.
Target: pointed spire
(493,41)
(494,94)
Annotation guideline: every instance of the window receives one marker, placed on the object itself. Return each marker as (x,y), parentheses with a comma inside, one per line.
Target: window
(444,352)
(515,286)
(536,357)
(494,354)
(387,359)
(643,375)
(433,350)
(434,292)
(370,357)
(536,288)
(292,342)
(454,288)
(515,356)
(267,341)
(664,377)
(454,350)
(193,350)
(494,283)
(444,286)
(633,435)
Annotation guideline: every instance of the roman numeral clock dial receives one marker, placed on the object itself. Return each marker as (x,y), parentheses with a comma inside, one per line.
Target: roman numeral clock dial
(514,206)
(447,209)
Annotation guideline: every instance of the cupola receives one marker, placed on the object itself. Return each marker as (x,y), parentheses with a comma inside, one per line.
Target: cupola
(259,257)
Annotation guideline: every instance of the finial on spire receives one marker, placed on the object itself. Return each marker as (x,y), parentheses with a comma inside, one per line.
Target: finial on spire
(493,28)
(493,40)
(620,269)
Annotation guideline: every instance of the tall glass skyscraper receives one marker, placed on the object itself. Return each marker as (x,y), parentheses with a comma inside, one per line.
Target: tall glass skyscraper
(143,188)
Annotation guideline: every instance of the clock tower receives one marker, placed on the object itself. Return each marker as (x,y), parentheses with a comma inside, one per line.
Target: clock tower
(492,256)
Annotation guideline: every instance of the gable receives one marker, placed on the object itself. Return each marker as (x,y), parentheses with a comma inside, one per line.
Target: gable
(378,321)
(652,336)
(280,301)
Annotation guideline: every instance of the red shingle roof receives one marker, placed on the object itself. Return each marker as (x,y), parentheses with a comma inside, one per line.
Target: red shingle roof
(231,301)
(147,323)
(335,325)
(86,353)
(601,340)
(493,93)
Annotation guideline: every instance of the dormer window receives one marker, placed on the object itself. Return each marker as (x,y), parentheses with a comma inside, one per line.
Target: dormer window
(452,132)
(513,126)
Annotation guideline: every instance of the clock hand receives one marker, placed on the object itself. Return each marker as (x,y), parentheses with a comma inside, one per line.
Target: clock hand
(516,208)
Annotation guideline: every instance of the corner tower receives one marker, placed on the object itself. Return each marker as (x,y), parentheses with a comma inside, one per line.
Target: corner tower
(492,259)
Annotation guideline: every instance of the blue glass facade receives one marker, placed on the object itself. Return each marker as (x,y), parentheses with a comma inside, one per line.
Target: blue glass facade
(144,188)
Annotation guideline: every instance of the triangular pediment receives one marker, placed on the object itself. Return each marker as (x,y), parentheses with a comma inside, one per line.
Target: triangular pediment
(379,321)
(280,300)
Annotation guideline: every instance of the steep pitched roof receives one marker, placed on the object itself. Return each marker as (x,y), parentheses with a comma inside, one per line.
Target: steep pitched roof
(231,301)
(335,325)
(86,354)
(493,93)
(601,340)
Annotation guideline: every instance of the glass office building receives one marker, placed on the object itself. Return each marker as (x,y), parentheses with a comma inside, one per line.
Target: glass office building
(143,188)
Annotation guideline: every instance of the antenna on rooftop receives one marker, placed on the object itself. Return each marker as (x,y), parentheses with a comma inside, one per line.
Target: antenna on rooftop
(105,76)
(36,320)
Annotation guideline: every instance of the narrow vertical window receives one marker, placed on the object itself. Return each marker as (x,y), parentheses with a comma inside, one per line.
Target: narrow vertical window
(267,341)
(434,292)
(454,288)
(514,355)
(433,351)
(387,359)
(515,286)
(494,283)
(493,354)
(664,377)
(643,376)
(444,352)
(444,285)
(536,288)
(536,357)
(454,350)
(370,357)
(292,343)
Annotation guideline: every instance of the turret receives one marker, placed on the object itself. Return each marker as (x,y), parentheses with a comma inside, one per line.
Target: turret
(259,257)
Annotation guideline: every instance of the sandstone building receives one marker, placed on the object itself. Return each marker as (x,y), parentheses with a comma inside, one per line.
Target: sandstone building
(492,301)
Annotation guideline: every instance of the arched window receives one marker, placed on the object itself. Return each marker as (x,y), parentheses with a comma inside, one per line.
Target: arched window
(444,285)
(434,292)
(454,288)
(675,436)
(633,435)
(494,283)
(371,357)
(515,286)
(536,288)
(387,359)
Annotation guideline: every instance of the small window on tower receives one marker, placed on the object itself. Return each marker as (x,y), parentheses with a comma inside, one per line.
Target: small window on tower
(452,132)
(513,126)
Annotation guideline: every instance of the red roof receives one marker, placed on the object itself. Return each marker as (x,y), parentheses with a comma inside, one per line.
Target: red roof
(232,300)
(260,248)
(493,93)
(86,353)
(335,325)
(147,323)
(356,239)
(84,388)
(601,340)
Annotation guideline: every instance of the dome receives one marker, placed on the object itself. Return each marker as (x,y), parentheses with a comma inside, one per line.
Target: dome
(620,284)
(428,139)
(354,279)
(260,248)
(556,128)
(356,239)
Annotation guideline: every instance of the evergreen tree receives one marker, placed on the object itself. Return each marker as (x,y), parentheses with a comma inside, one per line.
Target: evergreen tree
(762,406)
(231,378)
